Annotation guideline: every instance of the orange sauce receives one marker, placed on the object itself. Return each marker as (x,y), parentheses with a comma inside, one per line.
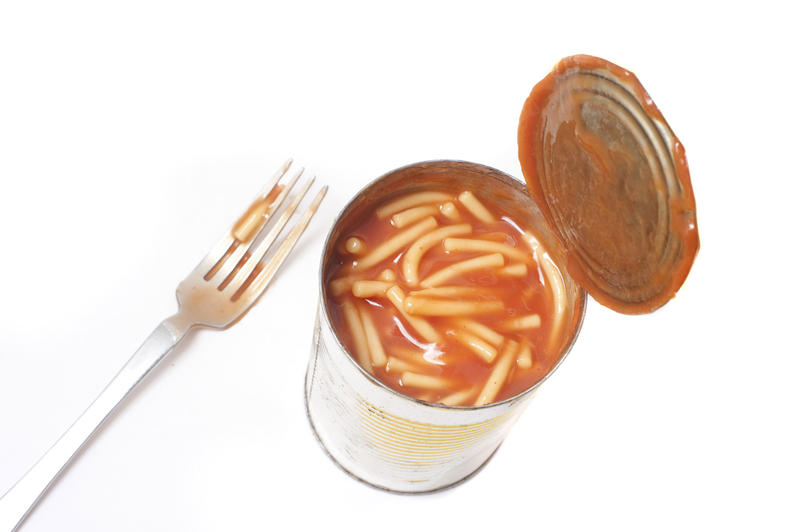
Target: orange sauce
(459,367)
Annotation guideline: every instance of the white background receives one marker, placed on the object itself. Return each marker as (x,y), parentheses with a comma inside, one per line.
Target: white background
(132,134)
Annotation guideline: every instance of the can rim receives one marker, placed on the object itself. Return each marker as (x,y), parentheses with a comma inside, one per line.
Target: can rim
(510,180)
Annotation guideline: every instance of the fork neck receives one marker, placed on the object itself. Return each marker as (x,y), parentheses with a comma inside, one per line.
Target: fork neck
(178,324)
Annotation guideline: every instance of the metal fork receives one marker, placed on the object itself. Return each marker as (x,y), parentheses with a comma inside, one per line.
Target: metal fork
(216,294)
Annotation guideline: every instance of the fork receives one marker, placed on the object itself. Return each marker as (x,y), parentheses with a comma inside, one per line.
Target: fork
(219,291)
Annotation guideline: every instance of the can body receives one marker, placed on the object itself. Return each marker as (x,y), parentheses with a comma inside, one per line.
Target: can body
(385,438)
(392,441)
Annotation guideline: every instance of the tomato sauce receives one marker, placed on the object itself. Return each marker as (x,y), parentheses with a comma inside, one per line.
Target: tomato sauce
(460,374)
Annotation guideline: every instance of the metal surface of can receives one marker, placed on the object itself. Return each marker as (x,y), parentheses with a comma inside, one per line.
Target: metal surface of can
(385,438)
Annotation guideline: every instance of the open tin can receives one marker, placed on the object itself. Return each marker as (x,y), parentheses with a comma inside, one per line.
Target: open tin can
(608,195)
(379,435)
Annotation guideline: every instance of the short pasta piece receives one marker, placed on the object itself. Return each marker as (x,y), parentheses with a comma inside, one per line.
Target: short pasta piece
(252,220)
(355,246)
(531,321)
(411,200)
(394,244)
(513,270)
(370,288)
(525,356)
(420,306)
(353,319)
(399,365)
(413,255)
(451,291)
(409,216)
(410,354)
(474,206)
(458,398)
(342,285)
(387,275)
(418,380)
(481,330)
(425,329)
(478,346)
(450,211)
(485,246)
(499,374)
(495,260)
(376,353)
(556,284)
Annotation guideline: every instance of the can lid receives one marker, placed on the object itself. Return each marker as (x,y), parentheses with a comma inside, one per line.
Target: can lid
(612,181)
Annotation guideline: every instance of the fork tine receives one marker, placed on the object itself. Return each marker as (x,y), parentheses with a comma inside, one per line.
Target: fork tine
(279,173)
(256,254)
(231,261)
(224,247)
(261,279)
(215,258)
(259,212)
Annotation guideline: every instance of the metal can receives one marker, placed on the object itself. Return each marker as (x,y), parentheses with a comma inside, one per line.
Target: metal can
(385,438)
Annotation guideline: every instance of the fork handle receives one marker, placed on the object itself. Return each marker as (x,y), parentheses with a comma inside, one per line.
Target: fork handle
(23,496)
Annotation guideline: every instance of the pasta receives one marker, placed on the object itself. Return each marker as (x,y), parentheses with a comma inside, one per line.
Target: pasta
(351,315)
(513,270)
(355,245)
(457,398)
(481,330)
(450,211)
(396,296)
(387,275)
(499,374)
(478,346)
(370,288)
(411,200)
(444,310)
(342,285)
(411,258)
(531,321)
(417,380)
(451,291)
(485,246)
(421,306)
(525,356)
(474,206)
(409,216)
(376,353)
(410,354)
(556,283)
(495,260)
(247,226)
(396,364)
(394,244)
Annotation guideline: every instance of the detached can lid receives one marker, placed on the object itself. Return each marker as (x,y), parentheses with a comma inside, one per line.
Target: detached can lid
(612,181)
